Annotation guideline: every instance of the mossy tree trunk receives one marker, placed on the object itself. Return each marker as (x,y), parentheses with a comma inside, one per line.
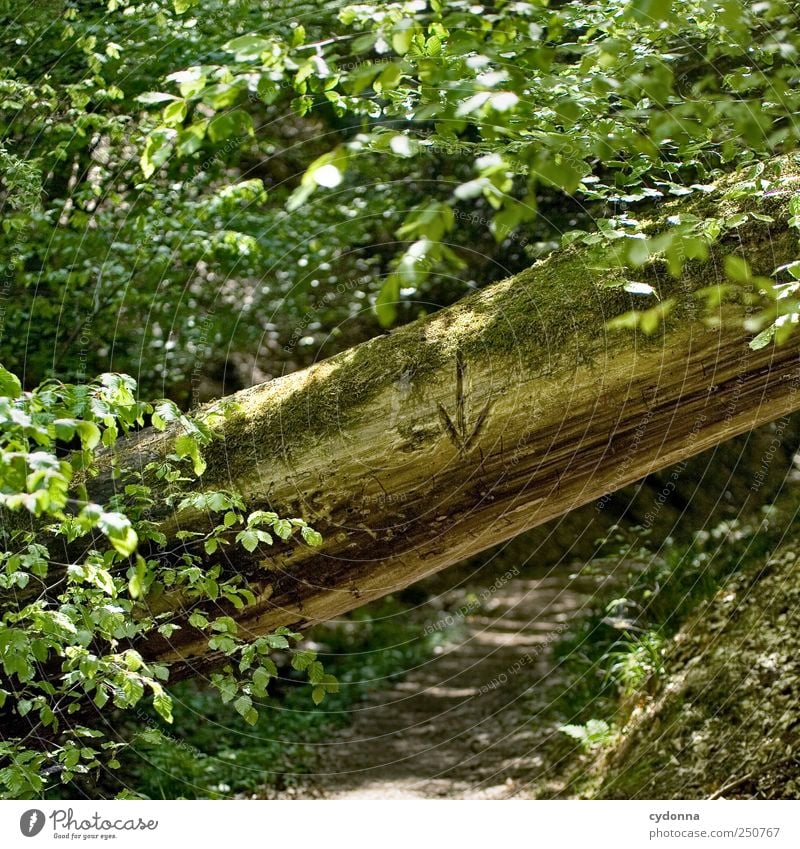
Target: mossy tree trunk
(420,448)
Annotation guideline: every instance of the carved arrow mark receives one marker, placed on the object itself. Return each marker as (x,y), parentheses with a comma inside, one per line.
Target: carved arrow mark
(457,432)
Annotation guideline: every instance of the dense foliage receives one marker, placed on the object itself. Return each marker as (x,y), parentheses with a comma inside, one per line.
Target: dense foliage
(201,195)
(220,190)
(85,584)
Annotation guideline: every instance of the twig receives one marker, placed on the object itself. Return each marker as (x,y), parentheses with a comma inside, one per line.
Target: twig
(732,785)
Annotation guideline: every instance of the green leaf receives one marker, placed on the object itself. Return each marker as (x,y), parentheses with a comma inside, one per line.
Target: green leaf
(227,687)
(151,735)
(736,220)
(109,436)
(261,680)
(247,47)
(151,98)
(190,139)
(650,11)
(89,433)
(125,541)
(197,620)
(163,706)
(737,269)
(326,171)
(283,528)
(138,579)
(229,519)
(221,127)
(312,537)
(316,672)
(243,704)
(175,113)
(72,757)
(64,429)
(156,151)
(222,643)
(763,339)
(236,124)
(389,78)
(186,446)
(330,684)
(10,387)
(303,659)
(560,172)
(402,36)
(386,302)
(117,527)
(793,268)
(248,539)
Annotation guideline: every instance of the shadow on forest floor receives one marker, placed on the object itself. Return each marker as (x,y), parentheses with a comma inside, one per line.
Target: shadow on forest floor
(463,723)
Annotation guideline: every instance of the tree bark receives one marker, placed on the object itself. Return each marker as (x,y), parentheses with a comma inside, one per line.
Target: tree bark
(417,449)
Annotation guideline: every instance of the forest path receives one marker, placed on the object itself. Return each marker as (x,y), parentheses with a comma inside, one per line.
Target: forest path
(463,724)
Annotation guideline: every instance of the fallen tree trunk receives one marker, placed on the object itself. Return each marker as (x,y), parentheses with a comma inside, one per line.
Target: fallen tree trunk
(418,449)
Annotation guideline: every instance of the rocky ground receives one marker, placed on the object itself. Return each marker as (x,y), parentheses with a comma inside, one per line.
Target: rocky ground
(726,721)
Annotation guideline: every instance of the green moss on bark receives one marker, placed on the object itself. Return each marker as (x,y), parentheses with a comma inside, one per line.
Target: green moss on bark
(554,311)
(726,722)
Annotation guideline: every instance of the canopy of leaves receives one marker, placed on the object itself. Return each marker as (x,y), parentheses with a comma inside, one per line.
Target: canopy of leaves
(221,190)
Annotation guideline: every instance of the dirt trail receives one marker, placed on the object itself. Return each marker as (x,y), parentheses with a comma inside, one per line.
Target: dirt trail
(462,725)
